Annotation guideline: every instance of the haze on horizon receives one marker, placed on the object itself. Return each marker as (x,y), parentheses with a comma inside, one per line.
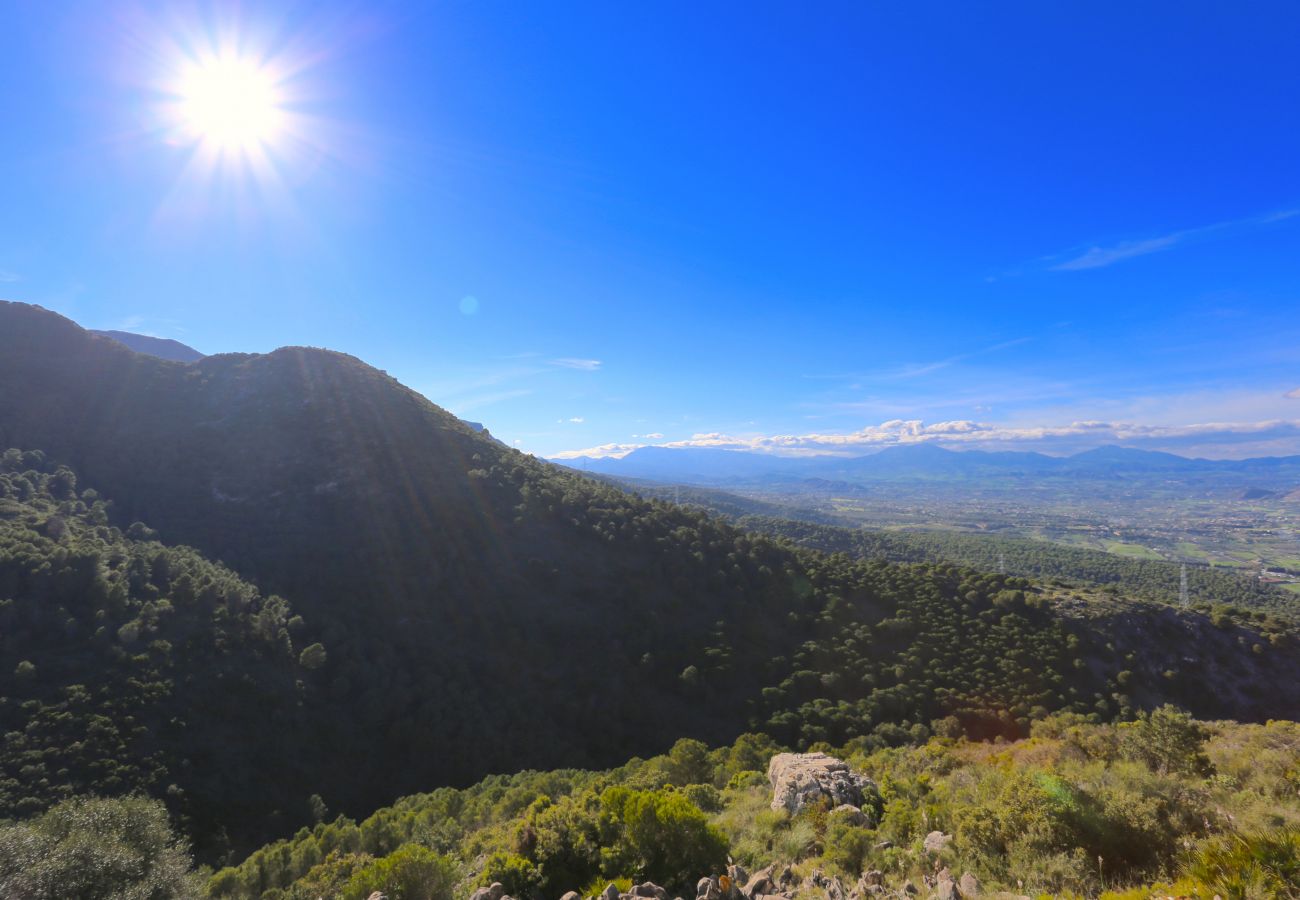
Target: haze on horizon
(754,228)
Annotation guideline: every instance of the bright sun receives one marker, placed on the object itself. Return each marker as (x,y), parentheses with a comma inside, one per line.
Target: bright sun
(231,104)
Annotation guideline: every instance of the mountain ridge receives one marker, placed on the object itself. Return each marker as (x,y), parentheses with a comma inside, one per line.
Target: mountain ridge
(162,348)
(719,466)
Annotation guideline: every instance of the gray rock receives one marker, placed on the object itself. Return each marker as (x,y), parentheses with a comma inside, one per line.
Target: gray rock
(969,885)
(936,842)
(572,895)
(802,778)
(946,889)
(760,883)
(708,889)
(852,814)
(788,878)
(610,892)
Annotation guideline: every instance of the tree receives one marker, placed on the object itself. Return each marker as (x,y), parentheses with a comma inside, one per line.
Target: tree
(664,837)
(688,763)
(312,656)
(408,873)
(88,849)
(1167,740)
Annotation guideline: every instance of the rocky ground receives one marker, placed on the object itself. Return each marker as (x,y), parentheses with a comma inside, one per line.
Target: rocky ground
(800,780)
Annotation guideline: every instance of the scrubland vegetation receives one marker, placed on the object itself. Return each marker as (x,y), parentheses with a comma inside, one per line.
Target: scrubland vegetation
(1163,804)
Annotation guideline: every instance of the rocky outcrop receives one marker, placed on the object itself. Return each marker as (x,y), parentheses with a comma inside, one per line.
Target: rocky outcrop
(799,779)
(936,842)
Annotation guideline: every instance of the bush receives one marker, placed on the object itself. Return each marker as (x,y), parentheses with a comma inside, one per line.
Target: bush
(411,872)
(1168,740)
(747,779)
(88,848)
(664,837)
(847,846)
(517,875)
(705,796)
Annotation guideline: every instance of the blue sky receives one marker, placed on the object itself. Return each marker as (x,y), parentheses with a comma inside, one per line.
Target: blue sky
(789,227)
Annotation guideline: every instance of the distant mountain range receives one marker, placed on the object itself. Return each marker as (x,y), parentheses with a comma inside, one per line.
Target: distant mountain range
(923,462)
(163,348)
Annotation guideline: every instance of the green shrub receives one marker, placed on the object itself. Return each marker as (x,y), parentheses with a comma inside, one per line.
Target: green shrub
(663,836)
(747,779)
(847,846)
(88,849)
(1167,740)
(408,873)
(517,875)
(705,796)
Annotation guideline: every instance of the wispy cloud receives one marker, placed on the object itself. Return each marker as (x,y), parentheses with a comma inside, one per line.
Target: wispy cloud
(928,368)
(1293,394)
(7,277)
(916,370)
(460,407)
(569,362)
(967,434)
(1098,257)
(466,391)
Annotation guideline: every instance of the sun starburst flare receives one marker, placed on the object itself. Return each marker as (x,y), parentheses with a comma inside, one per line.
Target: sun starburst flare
(231,104)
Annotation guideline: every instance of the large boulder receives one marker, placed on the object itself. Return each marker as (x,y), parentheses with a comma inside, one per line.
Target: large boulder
(799,779)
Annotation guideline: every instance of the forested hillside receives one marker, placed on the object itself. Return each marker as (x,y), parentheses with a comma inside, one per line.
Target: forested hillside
(126,665)
(1155,580)
(482,611)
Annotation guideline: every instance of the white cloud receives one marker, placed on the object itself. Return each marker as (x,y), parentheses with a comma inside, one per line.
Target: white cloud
(652,436)
(577,420)
(1209,438)
(569,362)
(601,451)
(1293,394)
(8,277)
